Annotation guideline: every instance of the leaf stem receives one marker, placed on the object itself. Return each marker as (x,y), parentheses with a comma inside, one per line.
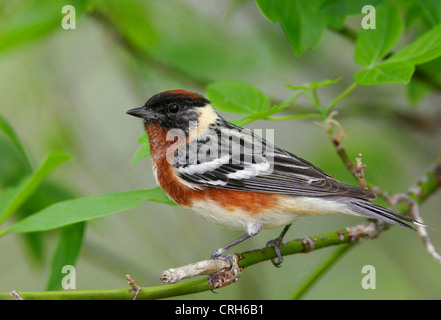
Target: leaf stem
(316,100)
(340,97)
(318,272)
(294,116)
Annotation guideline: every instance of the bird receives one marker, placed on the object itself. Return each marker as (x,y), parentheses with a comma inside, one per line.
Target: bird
(236,178)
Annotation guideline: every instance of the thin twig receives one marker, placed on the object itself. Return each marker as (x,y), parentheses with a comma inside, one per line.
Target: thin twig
(424,188)
(358,169)
(204,267)
(414,212)
(133,287)
(16,295)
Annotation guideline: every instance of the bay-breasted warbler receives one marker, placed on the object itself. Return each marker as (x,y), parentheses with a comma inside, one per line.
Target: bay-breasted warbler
(238,179)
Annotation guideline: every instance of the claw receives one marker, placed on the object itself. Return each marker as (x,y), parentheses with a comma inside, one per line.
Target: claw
(214,278)
(216,255)
(276,244)
(225,276)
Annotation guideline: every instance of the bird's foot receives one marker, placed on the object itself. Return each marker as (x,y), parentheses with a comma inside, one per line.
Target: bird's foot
(225,276)
(276,244)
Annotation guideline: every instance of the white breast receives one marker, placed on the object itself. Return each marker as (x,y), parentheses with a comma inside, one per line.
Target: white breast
(240,219)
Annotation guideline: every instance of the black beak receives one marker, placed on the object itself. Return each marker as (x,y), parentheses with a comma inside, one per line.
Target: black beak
(142,113)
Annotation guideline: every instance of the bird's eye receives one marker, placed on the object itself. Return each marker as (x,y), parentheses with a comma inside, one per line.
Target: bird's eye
(173,108)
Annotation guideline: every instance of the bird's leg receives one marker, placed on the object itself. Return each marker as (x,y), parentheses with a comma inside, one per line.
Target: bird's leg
(217,280)
(276,244)
(252,228)
(218,253)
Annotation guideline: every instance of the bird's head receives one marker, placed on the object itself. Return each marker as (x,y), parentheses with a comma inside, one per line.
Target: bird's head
(176,109)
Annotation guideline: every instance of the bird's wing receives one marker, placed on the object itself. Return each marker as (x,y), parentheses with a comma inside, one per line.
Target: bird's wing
(229,163)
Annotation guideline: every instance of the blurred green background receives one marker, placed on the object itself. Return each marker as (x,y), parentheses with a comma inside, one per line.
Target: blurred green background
(69,90)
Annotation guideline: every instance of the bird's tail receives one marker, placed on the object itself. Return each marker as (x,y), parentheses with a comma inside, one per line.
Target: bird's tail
(377,212)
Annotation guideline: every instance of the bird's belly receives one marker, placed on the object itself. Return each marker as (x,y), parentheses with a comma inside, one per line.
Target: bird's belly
(239,218)
(313,206)
(285,211)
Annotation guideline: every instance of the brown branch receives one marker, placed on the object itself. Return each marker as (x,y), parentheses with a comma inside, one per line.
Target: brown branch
(360,168)
(357,169)
(133,287)
(414,195)
(414,212)
(204,267)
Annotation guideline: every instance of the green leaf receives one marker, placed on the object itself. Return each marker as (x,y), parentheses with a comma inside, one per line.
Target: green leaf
(400,67)
(271,9)
(346,7)
(19,194)
(5,197)
(157,195)
(373,44)
(143,138)
(387,72)
(143,151)
(302,21)
(66,253)
(9,131)
(33,19)
(130,19)
(427,47)
(237,97)
(432,10)
(417,91)
(13,166)
(84,209)
(48,194)
(432,69)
